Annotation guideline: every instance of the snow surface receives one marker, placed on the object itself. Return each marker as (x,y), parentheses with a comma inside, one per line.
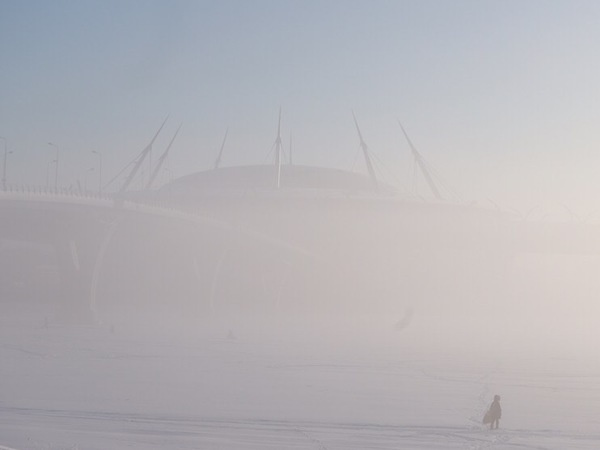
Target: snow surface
(337,383)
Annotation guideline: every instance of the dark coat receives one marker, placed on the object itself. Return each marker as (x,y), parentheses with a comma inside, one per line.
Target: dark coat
(495,411)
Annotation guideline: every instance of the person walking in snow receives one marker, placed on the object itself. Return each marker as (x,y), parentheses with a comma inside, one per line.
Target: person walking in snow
(494,413)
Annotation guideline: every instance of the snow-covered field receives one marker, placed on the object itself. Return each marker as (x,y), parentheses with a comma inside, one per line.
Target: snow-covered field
(336,383)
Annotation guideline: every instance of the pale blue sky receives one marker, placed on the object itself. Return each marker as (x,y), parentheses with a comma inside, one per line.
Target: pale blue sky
(502,97)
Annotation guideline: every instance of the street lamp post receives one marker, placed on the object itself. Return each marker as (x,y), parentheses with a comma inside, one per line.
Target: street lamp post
(4,165)
(48,173)
(56,168)
(99,171)
(85,180)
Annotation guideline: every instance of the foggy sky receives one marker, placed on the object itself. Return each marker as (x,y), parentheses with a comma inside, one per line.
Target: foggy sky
(500,96)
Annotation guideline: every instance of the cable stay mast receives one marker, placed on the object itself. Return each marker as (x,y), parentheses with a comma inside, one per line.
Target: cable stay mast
(140,160)
(422,165)
(161,160)
(278,153)
(365,150)
(218,160)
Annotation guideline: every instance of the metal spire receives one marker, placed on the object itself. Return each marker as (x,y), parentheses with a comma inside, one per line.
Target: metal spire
(161,160)
(365,150)
(218,160)
(421,163)
(140,160)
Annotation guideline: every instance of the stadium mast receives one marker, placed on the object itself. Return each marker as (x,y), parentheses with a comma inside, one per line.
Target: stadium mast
(365,150)
(161,160)
(422,165)
(140,160)
(218,161)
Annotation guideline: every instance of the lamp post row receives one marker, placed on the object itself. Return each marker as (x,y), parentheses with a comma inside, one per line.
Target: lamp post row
(56,167)
(55,161)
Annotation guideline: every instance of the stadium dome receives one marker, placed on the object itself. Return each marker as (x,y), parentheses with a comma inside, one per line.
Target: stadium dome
(263,179)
